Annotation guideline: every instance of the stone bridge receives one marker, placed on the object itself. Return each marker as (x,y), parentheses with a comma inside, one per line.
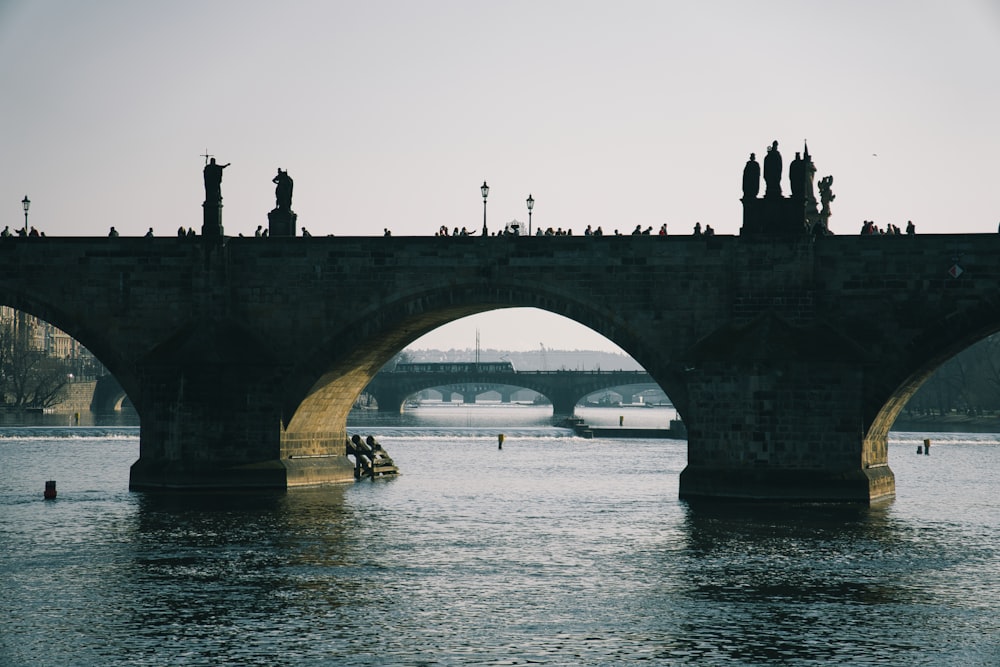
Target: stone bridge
(563,388)
(787,358)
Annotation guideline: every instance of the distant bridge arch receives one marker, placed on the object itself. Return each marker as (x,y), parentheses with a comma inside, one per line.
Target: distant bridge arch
(108,395)
(564,389)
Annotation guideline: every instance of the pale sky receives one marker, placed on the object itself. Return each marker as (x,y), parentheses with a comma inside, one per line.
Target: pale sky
(393,113)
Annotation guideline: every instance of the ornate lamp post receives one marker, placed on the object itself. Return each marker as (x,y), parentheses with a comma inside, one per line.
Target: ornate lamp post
(26,203)
(485,190)
(531,205)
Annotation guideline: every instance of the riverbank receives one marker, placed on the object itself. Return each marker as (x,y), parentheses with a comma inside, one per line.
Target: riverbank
(947,424)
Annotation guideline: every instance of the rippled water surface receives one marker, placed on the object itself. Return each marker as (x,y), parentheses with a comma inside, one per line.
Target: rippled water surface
(554,550)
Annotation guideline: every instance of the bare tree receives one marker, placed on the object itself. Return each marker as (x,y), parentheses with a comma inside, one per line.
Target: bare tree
(28,378)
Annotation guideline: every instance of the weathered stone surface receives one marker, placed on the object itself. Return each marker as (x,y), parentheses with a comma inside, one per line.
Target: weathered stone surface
(785,357)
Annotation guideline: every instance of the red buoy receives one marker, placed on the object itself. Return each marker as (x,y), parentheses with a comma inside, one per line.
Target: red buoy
(50,489)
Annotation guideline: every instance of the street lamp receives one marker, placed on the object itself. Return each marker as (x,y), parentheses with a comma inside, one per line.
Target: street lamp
(485,190)
(26,203)
(531,205)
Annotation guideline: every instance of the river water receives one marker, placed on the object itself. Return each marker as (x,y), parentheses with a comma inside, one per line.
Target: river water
(555,550)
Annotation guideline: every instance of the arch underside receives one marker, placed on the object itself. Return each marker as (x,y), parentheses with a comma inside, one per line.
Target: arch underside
(354,357)
(365,345)
(90,337)
(924,355)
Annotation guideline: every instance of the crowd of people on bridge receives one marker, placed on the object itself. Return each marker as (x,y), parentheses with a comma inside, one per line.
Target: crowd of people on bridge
(283,194)
(213,178)
(869,228)
(21,233)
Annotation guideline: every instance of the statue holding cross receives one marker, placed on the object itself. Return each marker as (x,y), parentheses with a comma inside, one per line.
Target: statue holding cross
(213,181)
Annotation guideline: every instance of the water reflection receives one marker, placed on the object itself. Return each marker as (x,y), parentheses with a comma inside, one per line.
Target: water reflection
(796,552)
(205,564)
(589,561)
(785,582)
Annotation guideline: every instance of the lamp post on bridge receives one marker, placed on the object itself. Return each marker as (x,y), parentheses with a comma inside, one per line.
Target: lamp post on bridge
(485,190)
(26,203)
(531,205)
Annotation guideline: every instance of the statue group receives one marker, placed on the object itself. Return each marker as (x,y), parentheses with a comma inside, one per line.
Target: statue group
(775,214)
(281,220)
(213,185)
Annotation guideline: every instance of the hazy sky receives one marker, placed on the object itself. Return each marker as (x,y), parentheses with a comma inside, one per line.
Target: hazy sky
(393,113)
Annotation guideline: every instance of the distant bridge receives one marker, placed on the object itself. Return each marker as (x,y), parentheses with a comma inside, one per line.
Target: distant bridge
(563,388)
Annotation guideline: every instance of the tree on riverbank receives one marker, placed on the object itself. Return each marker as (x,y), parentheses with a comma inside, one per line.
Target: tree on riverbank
(968,383)
(28,377)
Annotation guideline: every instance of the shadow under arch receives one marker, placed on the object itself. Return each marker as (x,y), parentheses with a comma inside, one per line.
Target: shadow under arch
(322,389)
(95,343)
(109,396)
(923,356)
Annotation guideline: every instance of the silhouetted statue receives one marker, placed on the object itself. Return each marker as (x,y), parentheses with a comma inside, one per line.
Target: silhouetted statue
(809,174)
(797,176)
(751,178)
(213,181)
(772,171)
(283,191)
(826,194)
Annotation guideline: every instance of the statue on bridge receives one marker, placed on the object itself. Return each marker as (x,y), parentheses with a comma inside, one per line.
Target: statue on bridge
(281,221)
(772,171)
(826,194)
(797,176)
(213,181)
(283,191)
(751,178)
(211,227)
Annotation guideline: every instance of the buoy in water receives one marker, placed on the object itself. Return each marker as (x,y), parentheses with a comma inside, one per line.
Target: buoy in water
(50,489)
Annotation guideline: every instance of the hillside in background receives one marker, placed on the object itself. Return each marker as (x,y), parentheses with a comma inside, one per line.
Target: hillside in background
(533,360)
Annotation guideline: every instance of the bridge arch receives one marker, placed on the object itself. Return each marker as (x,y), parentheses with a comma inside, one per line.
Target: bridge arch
(336,373)
(940,341)
(95,341)
(108,396)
